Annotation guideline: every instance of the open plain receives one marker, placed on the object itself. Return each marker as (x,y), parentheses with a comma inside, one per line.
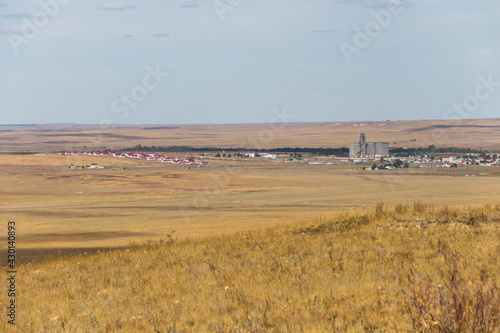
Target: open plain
(60,209)
(248,244)
(464,133)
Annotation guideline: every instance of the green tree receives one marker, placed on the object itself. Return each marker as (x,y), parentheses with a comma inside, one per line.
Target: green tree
(397,163)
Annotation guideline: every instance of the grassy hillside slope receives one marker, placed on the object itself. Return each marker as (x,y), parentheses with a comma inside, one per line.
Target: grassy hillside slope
(400,269)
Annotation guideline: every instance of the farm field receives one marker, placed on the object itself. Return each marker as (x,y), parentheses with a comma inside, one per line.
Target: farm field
(58,209)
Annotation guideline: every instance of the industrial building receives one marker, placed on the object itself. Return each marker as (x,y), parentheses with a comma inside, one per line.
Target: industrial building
(368,149)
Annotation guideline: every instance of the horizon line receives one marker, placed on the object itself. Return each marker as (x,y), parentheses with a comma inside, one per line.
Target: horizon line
(260,123)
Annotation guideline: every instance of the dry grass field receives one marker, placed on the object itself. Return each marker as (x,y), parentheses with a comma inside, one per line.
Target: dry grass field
(250,245)
(134,201)
(466,133)
(407,268)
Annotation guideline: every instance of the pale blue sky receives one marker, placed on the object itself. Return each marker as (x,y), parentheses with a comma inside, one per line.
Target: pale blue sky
(234,61)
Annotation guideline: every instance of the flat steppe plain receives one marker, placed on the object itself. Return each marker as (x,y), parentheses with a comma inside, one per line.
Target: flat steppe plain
(463,133)
(60,209)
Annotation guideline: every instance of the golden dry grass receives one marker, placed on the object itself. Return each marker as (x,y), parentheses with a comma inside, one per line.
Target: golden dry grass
(345,273)
(60,209)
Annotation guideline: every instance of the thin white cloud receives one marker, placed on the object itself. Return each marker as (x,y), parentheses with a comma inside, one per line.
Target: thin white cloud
(116,6)
(161,34)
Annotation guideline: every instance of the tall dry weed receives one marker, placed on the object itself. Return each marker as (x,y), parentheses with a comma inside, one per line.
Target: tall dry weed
(453,303)
(333,274)
(419,207)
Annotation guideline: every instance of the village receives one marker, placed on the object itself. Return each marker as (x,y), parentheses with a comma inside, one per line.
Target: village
(139,156)
(374,163)
(372,156)
(373,152)
(425,161)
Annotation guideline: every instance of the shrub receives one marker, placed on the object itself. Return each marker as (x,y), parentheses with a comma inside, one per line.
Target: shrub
(420,207)
(380,210)
(401,209)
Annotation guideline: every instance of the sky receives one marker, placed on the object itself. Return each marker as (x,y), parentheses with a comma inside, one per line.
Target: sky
(242,61)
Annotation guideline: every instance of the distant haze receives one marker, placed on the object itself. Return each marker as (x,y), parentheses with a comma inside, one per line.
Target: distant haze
(238,61)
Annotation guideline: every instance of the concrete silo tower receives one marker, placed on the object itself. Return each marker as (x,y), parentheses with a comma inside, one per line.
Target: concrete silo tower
(362,145)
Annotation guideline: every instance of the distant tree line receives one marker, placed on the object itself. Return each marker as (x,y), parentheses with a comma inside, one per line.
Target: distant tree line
(343,152)
(431,150)
(17,152)
(173,149)
(396,164)
(316,151)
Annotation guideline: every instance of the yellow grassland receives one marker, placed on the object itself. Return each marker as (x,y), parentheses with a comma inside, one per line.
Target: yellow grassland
(345,273)
(60,209)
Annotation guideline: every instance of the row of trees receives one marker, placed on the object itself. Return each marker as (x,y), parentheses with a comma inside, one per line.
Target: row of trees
(396,164)
(294,151)
(432,149)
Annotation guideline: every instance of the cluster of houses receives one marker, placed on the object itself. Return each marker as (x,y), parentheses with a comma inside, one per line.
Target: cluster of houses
(271,156)
(92,166)
(262,155)
(140,156)
(449,161)
(423,160)
(426,161)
